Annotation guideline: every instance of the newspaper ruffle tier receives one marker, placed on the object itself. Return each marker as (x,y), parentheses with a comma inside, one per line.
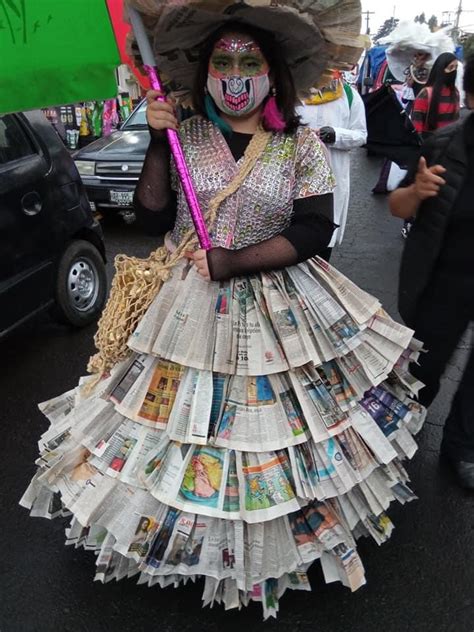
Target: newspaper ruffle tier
(259,425)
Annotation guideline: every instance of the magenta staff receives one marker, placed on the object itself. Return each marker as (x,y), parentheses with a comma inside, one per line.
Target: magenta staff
(172,136)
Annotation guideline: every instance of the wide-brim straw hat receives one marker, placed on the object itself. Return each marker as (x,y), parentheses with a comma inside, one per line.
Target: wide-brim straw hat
(317,36)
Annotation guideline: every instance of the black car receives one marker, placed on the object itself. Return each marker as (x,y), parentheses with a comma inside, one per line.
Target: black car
(51,248)
(110,166)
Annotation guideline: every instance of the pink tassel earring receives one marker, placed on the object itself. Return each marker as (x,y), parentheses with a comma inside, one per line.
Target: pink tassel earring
(271,116)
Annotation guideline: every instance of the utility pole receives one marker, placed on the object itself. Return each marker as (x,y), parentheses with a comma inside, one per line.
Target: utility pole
(367,17)
(458,16)
(456,32)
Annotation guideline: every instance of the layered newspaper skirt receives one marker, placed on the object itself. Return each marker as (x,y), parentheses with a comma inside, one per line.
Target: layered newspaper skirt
(259,425)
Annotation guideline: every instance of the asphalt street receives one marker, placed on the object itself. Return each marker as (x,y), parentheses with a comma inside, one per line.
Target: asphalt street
(420,581)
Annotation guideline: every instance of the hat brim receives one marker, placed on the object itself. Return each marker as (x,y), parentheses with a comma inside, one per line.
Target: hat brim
(302,43)
(316,36)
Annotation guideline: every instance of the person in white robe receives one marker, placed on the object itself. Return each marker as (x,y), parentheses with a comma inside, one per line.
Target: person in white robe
(338,114)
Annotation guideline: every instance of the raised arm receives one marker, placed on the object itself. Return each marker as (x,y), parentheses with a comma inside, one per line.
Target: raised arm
(308,235)
(154,200)
(404,202)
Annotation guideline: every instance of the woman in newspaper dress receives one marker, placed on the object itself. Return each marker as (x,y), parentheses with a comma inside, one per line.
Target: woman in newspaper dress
(262,416)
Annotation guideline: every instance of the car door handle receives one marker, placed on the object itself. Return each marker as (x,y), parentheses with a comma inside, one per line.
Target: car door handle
(31,203)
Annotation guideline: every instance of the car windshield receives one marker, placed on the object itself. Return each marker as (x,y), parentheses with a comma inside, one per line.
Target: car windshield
(137,119)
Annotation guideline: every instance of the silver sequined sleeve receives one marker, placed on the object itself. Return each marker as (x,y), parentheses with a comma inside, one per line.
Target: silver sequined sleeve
(174,182)
(313,173)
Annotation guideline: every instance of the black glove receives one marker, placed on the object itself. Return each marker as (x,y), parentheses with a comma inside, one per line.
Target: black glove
(327,135)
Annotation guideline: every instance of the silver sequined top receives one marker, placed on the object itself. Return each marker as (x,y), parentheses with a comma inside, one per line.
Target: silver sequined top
(291,167)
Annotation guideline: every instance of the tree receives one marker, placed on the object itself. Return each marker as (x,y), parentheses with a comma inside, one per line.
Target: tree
(433,23)
(421,19)
(386,28)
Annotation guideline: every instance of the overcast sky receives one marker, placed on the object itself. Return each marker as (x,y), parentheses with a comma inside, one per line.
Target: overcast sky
(408,9)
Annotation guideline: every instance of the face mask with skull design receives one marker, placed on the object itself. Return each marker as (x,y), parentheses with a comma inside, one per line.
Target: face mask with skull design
(238,78)
(238,96)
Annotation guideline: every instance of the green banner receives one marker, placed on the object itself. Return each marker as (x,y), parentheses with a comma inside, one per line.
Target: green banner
(54,52)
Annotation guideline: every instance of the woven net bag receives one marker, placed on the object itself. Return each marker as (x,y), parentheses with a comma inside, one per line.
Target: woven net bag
(135,284)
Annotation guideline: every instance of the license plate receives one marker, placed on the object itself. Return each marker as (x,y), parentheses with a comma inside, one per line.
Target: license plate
(122,198)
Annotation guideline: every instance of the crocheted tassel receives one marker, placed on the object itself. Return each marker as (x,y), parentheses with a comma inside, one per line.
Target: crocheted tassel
(271,116)
(214,117)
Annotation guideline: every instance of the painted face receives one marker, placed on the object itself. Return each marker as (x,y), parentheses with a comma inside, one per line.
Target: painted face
(420,58)
(238,78)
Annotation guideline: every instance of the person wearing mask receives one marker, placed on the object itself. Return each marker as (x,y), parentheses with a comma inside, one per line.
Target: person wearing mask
(337,114)
(416,78)
(436,292)
(436,105)
(261,401)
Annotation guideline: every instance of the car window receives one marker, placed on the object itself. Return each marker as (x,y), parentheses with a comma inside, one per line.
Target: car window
(14,143)
(137,118)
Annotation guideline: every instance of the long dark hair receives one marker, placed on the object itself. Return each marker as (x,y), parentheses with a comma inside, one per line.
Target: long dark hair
(437,80)
(279,72)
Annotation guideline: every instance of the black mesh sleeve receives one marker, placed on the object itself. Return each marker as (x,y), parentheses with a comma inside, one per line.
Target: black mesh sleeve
(156,222)
(271,254)
(154,200)
(309,233)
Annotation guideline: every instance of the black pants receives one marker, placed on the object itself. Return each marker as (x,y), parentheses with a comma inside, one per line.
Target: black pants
(444,313)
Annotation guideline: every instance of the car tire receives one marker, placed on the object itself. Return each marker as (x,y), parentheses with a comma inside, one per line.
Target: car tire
(81,285)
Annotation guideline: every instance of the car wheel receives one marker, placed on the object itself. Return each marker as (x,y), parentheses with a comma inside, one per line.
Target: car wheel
(81,284)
